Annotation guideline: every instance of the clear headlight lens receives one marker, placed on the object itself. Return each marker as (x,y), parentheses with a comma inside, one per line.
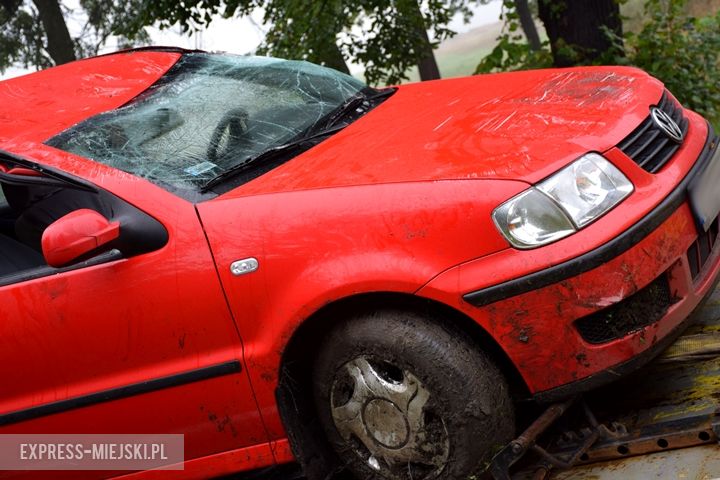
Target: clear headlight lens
(563,203)
(532,219)
(587,188)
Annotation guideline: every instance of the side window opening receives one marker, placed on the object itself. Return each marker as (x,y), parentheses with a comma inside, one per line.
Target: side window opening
(31,202)
(15,255)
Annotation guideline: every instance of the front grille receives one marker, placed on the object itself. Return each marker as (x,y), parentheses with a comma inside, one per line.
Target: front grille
(648,145)
(639,310)
(700,250)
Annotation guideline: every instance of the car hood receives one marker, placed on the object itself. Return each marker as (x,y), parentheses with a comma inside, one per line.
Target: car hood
(512,126)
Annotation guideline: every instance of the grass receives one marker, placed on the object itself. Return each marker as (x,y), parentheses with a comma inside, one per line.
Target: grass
(460,55)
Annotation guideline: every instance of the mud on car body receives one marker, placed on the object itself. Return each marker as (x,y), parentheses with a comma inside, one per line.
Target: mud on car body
(282,263)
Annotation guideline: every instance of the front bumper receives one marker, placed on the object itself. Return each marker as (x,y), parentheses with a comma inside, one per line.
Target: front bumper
(535,318)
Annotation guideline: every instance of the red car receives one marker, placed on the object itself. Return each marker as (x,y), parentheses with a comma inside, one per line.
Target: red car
(281,263)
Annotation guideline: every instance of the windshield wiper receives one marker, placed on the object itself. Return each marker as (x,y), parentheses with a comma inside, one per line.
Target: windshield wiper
(267,155)
(355,104)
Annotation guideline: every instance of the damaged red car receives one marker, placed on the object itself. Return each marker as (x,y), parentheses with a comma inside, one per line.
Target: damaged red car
(283,264)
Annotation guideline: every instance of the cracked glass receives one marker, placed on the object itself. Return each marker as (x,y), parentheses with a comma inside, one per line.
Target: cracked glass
(209,114)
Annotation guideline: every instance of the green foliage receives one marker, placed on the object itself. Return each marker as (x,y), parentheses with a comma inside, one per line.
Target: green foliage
(512,51)
(23,41)
(387,38)
(21,37)
(683,52)
(392,35)
(308,31)
(106,18)
(190,15)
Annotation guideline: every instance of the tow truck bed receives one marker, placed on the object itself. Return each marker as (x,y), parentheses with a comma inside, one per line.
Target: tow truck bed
(666,416)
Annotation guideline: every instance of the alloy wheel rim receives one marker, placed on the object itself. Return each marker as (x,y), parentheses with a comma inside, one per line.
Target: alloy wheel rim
(386,417)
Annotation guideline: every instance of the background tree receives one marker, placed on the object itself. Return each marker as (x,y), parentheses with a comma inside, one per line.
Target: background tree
(399,31)
(297,29)
(59,45)
(581,31)
(683,51)
(35,33)
(387,38)
(21,36)
(515,50)
(308,30)
(525,16)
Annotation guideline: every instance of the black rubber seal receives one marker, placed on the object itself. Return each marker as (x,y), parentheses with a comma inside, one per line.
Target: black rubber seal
(46,271)
(606,252)
(192,376)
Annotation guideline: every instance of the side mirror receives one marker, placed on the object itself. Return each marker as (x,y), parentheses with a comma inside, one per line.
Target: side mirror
(76,235)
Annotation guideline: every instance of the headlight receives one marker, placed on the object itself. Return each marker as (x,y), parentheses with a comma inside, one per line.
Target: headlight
(563,203)
(532,219)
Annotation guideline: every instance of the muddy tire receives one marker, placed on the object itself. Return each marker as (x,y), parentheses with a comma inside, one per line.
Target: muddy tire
(403,397)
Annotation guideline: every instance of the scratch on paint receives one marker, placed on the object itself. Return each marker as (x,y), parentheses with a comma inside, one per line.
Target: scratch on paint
(505,121)
(441,124)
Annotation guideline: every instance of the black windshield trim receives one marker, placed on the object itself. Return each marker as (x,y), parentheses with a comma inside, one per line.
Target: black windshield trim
(49,176)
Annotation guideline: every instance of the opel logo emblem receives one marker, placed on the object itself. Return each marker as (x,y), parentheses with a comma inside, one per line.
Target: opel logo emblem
(666,124)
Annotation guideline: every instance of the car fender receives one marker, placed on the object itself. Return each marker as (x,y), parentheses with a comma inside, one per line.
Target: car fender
(315,247)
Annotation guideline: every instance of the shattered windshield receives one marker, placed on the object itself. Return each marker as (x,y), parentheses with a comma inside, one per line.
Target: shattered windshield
(208,114)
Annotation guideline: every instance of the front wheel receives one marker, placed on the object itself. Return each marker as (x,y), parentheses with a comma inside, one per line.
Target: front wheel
(400,397)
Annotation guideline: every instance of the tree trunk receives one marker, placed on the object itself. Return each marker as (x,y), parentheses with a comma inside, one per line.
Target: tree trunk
(332,57)
(527,23)
(427,66)
(575,29)
(59,44)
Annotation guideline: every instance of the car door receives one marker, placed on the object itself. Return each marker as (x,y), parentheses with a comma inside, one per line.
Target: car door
(141,343)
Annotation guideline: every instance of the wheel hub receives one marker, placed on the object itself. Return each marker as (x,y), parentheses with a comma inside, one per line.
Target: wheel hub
(384,415)
(386,423)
